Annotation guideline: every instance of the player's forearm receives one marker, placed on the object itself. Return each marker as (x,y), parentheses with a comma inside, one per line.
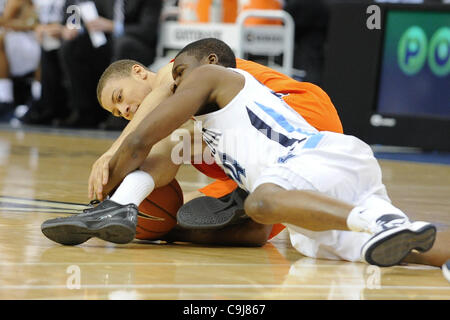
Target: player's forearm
(122,163)
(166,118)
(158,124)
(130,156)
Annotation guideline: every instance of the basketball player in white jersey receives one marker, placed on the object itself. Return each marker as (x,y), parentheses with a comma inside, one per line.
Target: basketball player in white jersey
(274,154)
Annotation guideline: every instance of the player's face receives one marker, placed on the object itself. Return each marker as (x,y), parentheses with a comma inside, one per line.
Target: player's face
(182,66)
(123,96)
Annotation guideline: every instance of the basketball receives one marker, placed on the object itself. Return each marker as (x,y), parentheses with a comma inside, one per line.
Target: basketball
(158,212)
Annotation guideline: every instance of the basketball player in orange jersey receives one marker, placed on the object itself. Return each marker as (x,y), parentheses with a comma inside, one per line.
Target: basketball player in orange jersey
(306,98)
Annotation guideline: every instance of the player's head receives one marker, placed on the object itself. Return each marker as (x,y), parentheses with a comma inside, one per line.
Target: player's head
(123,86)
(204,51)
(210,51)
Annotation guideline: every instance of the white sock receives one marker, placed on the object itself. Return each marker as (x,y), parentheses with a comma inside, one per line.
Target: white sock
(372,221)
(134,188)
(6,90)
(375,214)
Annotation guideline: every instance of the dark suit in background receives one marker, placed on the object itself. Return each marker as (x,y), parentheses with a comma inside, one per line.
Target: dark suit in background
(84,64)
(139,39)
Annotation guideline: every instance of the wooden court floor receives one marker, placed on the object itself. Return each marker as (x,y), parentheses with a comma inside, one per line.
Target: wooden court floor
(44,175)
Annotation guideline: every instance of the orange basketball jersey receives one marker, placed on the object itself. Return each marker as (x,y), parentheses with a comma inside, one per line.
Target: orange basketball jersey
(309,100)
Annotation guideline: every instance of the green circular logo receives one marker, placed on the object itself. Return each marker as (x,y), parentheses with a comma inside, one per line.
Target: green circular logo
(412,50)
(439,52)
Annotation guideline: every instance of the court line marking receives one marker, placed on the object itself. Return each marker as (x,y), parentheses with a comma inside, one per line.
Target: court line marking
(14,264)
(238,296)
(9,211)
(362,266)
(33,200)
(12,205)
(215,286)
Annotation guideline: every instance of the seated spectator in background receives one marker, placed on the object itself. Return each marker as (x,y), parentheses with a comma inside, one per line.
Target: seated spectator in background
(131,28)
(19,49)
(135,30)
(51,107)
(82,63)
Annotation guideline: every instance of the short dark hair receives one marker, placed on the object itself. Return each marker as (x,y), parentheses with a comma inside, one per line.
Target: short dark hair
(202,48)
(117,69)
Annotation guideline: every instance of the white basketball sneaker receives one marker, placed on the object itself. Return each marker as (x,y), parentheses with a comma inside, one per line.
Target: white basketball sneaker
(396,240)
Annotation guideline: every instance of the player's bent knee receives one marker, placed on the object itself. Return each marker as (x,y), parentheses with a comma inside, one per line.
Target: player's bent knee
(258,208)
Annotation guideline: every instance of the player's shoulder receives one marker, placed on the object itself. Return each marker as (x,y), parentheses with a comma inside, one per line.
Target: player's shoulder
(164,75)
(210,72)
(211,68)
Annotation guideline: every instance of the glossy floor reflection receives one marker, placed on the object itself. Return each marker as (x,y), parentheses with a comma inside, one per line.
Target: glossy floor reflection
(44,175)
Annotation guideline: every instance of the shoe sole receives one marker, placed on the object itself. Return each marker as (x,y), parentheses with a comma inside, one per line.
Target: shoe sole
(204,213)
(208,213)
(74,233)
(389,249)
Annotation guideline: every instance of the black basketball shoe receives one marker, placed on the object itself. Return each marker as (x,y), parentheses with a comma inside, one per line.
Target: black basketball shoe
(391,245)
(212,213)
(108,221)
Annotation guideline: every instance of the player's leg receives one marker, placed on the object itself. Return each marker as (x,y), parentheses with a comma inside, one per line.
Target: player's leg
(247,233)
(342,201)
(316,222)
(115,219)
(308,209)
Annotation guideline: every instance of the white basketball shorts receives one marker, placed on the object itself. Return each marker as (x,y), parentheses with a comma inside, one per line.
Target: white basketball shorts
(342,167)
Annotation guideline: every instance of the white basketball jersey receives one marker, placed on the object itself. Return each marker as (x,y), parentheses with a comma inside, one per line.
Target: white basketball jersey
(256,130)
(257,138)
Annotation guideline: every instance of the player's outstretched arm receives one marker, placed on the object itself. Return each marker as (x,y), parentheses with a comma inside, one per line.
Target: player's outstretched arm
(100,169)
(158,164)
(197,90)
